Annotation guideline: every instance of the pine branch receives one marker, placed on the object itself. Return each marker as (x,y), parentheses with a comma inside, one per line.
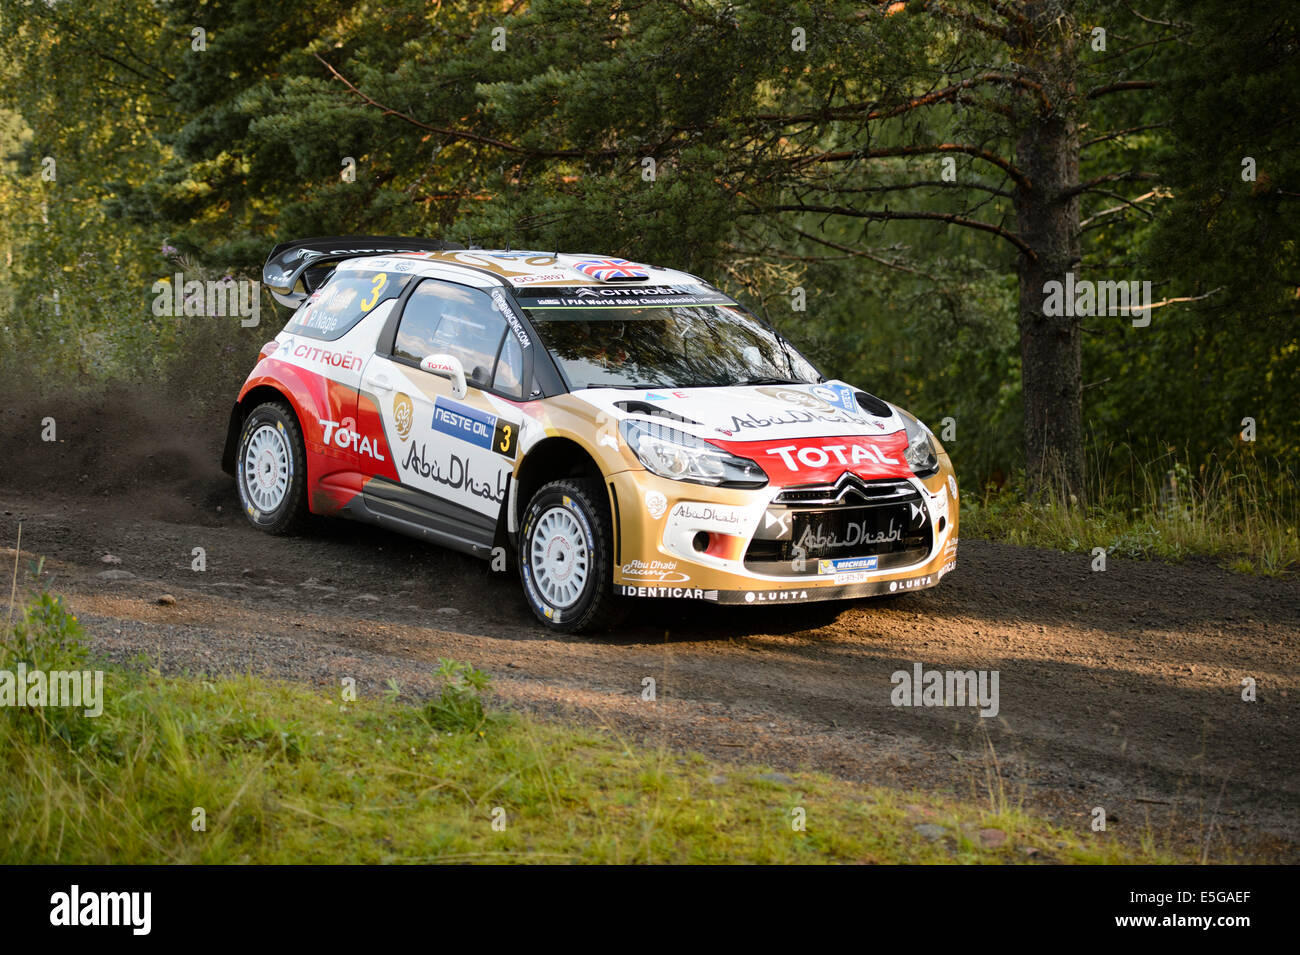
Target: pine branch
(928,99)
(1121,87)
(461,134)
(930,149)
(1120,133)
(888,215)
(1091,184)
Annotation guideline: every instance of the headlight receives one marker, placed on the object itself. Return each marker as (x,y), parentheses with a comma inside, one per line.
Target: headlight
(674,454)
(920,454)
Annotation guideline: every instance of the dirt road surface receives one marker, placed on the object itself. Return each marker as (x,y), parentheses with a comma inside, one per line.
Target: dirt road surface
(1120,689)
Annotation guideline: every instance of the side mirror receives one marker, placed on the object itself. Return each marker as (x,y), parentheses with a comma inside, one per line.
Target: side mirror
(447,366)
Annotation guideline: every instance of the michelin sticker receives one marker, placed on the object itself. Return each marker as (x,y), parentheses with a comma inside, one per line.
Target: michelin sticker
(846,564)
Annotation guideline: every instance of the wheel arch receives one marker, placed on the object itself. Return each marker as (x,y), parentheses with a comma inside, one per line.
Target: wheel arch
(551,459)
(250,399)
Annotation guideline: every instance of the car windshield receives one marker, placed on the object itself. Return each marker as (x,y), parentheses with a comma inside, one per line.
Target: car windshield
(678,337)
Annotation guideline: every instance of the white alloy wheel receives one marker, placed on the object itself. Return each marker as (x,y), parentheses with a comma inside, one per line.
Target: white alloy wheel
(560,557)
(266,468)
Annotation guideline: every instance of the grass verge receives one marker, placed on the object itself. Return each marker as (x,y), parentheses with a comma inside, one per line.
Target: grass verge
(1236,508)
(181,769)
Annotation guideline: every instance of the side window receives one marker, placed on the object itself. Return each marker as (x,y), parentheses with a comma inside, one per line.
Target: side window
(346,297)
(444,318)
(509,379)
(420,321)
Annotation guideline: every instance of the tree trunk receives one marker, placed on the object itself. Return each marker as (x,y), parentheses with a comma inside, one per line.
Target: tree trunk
(1048,220)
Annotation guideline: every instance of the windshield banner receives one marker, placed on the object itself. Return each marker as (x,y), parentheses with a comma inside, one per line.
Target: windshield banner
(652,296)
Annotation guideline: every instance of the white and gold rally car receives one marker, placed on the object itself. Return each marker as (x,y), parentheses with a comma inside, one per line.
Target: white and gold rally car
(622,430)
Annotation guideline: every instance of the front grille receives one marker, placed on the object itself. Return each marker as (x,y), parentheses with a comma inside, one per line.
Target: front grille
(887,520)
(849,489)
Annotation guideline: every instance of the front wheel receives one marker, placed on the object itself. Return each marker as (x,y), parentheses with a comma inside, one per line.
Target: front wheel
(271,469)
(566,557)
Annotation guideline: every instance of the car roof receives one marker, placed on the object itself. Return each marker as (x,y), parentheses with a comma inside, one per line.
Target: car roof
(525,269)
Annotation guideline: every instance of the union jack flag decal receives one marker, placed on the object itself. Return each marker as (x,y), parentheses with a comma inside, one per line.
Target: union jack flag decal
(605,270)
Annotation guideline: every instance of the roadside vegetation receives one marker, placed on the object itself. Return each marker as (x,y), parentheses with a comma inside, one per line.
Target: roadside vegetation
(892,273)
(184,769)
(894,267)
(1240,508)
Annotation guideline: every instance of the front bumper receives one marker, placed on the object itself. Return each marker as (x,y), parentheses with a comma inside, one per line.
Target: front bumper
(783,545)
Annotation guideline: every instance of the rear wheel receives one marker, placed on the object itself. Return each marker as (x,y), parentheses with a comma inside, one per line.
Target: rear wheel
(271,469)
(566,557)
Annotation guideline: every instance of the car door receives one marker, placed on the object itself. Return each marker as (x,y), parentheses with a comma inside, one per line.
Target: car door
(457,450)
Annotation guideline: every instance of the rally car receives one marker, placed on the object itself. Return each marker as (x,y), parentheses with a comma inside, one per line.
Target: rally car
(616,430)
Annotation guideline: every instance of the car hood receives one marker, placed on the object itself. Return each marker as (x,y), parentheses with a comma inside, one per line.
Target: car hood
(799,434)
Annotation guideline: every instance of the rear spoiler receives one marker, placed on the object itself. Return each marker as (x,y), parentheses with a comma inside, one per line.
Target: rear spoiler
(296,269)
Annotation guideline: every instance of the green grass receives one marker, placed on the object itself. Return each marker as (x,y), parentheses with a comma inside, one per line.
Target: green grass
(288,773)
(1236,508)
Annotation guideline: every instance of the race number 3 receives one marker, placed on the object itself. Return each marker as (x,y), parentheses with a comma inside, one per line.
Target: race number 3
(377,286)
(505,437)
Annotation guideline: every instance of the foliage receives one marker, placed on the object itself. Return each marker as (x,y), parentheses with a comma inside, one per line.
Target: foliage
(217,153)
(459,705)
(1240,508)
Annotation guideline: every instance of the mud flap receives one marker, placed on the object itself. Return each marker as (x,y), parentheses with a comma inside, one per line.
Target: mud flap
(232,440)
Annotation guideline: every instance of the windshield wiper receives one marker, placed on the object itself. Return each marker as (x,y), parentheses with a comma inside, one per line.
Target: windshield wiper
(772,380)
(598,384)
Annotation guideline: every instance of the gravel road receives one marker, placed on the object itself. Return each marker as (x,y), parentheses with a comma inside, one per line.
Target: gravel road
(1120,689)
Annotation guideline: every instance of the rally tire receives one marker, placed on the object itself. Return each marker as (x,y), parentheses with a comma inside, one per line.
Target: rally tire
(271,469)
(566,557)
